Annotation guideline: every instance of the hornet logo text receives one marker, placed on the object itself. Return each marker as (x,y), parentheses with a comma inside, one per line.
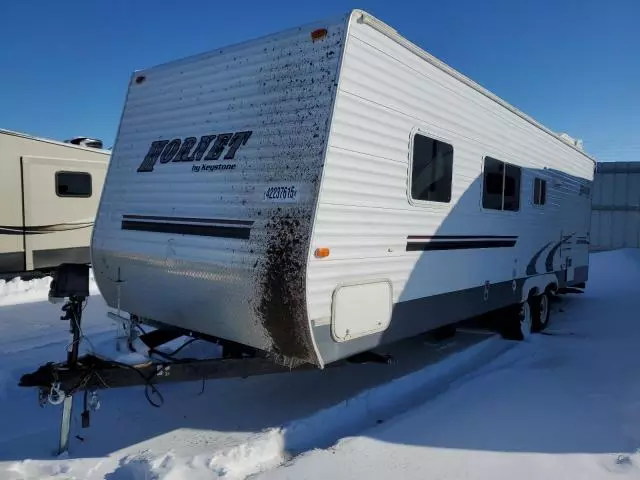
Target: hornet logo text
(207,148)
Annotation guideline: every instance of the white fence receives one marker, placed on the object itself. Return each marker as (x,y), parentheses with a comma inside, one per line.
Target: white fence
(615,214)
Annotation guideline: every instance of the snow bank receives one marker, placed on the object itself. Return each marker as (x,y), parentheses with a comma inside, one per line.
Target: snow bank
(17,291)
(273,447)
(379,404)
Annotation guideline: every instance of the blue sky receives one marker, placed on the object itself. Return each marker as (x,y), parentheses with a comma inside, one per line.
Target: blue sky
(572,65)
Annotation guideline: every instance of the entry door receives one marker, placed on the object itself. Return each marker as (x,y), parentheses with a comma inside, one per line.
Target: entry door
(60,203)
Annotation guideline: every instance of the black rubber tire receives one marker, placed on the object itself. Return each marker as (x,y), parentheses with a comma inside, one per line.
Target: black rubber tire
(539,314)
(510,328)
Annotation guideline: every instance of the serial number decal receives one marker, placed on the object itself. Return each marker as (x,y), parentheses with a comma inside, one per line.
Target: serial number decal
(285,193)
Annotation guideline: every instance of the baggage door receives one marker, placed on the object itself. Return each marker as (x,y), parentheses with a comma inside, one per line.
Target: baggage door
(60,203)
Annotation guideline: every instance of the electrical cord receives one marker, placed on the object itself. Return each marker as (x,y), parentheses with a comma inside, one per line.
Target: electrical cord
(154,390)
(171,356)
(150,391)
(81,336)
(139,327)
(150,388)
(149,385)
(185,344)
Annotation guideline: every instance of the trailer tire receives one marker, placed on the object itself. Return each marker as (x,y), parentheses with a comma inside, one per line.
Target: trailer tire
(518,322)
(540,311)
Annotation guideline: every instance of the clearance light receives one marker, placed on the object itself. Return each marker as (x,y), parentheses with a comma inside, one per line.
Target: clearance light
(318,34)
(322,252)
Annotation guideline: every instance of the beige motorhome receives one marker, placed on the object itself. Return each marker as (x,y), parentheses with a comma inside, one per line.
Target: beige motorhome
(49,194)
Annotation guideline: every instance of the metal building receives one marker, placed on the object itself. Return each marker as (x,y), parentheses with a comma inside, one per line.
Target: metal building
(615,216)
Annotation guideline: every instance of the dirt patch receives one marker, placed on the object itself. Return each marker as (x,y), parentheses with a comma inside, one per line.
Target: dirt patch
(282,305)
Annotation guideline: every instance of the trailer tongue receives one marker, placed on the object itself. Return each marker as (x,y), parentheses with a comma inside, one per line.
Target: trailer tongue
(91,372)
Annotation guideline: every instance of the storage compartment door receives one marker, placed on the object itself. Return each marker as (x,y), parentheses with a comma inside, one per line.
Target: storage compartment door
(60,203)
(361,309)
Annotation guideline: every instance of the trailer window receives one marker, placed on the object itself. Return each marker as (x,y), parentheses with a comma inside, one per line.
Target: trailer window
(512,188)
(73,184)
(431,170)
(539,191)
(501,185)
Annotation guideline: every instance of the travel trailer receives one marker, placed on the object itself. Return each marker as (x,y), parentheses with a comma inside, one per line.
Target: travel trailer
(49,192)
(318,192)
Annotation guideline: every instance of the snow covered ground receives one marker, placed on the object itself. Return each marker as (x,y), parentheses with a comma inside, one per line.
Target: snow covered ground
(564,405)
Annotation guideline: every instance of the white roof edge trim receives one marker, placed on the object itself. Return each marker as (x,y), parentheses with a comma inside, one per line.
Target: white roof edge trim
(393,34)
(54,142)
(249,40)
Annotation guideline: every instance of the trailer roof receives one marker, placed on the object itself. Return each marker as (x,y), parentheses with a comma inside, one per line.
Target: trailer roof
(394,35)
(55,142)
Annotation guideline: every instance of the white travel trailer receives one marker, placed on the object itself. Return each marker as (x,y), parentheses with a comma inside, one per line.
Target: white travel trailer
(49,193)
(324,190)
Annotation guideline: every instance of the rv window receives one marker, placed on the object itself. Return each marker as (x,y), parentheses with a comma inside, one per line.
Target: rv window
(511,188)
(73,184)
(539,191)
(501,185)
(432,170)
(493,183)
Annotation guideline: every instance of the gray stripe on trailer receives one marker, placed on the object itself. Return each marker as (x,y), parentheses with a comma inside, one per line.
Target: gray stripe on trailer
(56,256)
(580,274)
(412,317)
(11,262)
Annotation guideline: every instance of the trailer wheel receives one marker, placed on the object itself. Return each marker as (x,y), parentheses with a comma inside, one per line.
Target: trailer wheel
(540,311)
(518,323)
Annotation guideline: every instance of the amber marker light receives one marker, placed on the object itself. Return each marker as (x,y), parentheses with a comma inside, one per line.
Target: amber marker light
(322,252)
(318,34)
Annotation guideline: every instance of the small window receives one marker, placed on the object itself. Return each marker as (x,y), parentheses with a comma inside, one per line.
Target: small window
(432,170)
(539,191)
(73,184)
(501,185)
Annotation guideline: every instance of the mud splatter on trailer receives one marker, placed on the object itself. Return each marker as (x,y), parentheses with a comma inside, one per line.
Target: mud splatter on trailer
(282,301)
